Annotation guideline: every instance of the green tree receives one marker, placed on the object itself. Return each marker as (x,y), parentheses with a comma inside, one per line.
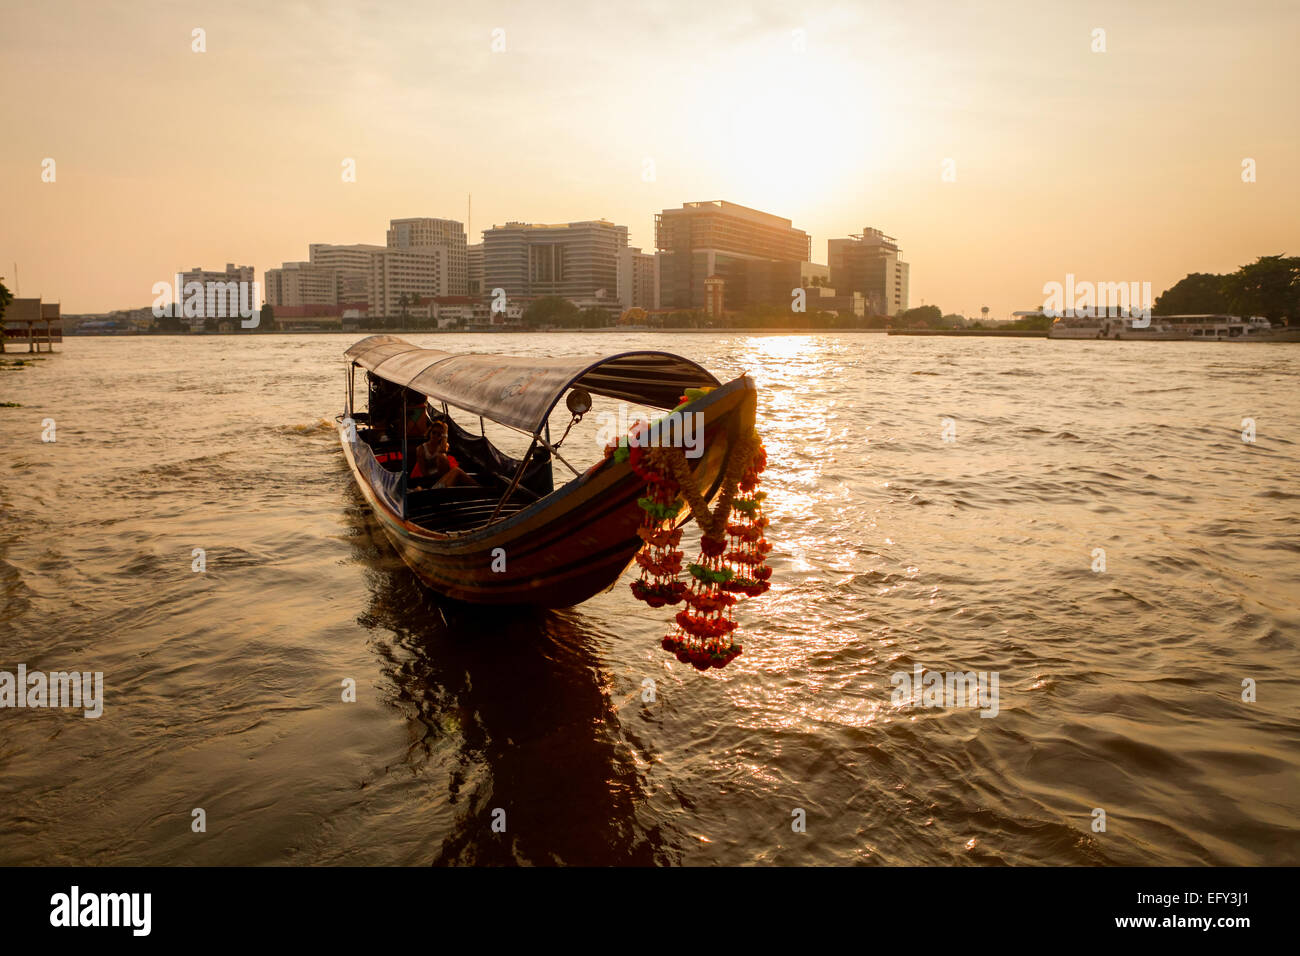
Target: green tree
(595,318)
(168,322)
(1040,322)
(267,322)
(921,317)
(552,310)
(1269,286)
(1198,293)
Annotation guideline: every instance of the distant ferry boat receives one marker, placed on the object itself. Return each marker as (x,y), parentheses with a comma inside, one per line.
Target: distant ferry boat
(1193,328)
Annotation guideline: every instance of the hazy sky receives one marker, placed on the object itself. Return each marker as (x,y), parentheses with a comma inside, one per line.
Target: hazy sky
(1117,166)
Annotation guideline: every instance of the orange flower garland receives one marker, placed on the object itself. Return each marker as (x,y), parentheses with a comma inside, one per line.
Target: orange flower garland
(733,553)
(660,559)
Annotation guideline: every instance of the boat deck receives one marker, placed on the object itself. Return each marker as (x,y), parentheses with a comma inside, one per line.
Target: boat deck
(453,510)
(463,507)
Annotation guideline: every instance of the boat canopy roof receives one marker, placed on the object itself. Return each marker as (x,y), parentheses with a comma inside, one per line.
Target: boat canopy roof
(519,391)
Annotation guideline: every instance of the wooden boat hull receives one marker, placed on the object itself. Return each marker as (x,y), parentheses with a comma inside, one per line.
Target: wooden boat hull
(572,544)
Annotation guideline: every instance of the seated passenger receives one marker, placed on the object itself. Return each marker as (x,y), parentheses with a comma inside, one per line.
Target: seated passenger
(418,418)
(433,463)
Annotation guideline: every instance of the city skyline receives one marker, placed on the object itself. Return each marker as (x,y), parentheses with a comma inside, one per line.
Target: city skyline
(1062,160)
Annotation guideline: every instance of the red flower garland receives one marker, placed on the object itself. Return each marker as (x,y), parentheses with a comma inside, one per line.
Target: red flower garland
(660,559)
(725,569)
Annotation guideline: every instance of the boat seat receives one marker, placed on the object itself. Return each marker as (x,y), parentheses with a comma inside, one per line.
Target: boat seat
(456,509)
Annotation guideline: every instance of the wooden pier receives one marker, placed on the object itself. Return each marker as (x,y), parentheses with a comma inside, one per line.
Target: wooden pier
(33,321)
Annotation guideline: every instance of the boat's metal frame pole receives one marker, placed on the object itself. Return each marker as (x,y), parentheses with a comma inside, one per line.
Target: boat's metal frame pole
(405,462)
(555,449)
(555,453)
(514,483)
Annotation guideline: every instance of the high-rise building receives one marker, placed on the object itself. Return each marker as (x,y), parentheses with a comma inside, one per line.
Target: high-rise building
(757,256)
(436,233)
(638,279)
(411,271)
(224,293)
(352,265)
(335,275)
(301,283)
(576,260)
(870,263)
(419,260)
(474,259)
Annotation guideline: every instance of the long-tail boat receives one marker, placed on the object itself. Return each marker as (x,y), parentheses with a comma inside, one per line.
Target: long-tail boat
(514,537)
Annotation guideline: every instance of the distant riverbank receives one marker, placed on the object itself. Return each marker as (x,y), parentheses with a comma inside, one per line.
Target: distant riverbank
(1010,333)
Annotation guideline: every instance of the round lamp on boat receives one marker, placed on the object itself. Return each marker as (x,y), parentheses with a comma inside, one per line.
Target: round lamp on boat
(578,401)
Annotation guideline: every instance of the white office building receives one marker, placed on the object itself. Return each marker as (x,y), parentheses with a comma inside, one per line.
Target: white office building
(446,234)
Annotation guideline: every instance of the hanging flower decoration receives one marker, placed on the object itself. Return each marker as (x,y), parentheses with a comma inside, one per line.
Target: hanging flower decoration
(733,550)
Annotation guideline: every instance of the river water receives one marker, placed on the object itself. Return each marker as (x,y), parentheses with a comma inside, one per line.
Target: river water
(1119,690)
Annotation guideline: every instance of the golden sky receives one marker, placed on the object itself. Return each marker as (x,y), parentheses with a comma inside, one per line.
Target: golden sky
(1123,165)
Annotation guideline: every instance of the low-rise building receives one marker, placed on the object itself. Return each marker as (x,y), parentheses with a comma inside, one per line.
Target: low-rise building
(820,299)
(485,315)
(455,310)
(300,318)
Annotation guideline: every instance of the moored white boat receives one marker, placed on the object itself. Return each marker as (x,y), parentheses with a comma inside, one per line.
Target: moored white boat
(1172,328)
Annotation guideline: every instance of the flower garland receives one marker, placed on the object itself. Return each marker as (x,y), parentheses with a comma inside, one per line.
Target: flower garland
(733,551)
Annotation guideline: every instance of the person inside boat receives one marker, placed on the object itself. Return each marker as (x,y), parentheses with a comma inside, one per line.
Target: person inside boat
(433,463)
(418,417)
(385,409)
